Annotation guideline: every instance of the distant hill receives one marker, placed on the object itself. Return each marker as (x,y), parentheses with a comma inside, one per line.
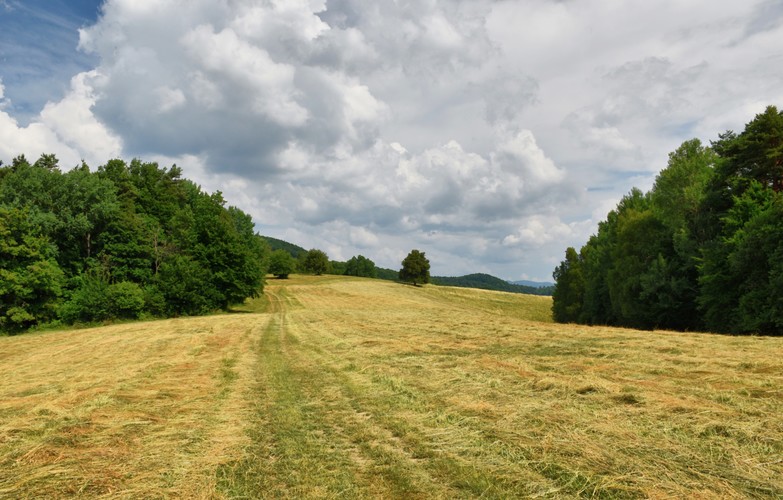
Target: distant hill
(387,274)
(479,280)
(489,282)
(275,244)
(534,284)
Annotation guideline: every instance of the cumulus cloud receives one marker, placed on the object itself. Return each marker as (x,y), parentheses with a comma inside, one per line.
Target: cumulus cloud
(66,128)
(491,134)
(237,83)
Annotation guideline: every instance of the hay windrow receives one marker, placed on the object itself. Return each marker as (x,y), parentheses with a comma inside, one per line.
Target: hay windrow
(339,387)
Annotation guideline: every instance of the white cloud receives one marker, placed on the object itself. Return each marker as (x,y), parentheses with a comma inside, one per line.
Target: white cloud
(169,98)
(66,128)
(71,119)
(248,73)
(491,134)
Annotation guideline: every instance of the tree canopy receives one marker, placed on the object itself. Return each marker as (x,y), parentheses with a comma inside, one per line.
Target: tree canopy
(415,268)
(360,266)
(281,264)
(315,262)
(702,250)
(125,241)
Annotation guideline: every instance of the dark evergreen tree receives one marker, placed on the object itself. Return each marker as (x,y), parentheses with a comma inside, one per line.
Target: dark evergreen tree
(568,297)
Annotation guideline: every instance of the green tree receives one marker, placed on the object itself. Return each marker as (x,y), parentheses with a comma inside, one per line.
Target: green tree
(316,262)
(568,297)
(30,279)
(187,287)
(740,269)
(755,154)
(281,264)
(415,268)
(680,188)
(360,266)
(126,300)
(128,239)
(596,257)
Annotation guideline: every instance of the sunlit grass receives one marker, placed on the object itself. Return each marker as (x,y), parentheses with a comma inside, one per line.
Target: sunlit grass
(338,387)
(135,410)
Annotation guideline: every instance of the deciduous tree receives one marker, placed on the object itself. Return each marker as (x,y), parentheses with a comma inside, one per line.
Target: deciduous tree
(316,262)
(415,268)
(360,266)
(281,264)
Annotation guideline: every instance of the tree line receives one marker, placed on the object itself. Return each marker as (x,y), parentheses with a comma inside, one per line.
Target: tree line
(129,240)
(702,250)
(287,259)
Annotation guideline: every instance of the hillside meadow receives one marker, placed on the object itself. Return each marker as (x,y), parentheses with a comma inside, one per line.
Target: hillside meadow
(334,387)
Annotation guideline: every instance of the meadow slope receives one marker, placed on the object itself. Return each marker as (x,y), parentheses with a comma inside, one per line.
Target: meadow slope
(341,387)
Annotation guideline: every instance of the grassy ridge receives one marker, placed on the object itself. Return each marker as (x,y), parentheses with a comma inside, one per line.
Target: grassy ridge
(341,387)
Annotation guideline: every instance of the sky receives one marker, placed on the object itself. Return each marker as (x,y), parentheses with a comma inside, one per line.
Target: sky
(489,134)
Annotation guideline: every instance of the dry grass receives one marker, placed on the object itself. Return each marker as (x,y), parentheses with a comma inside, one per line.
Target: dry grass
(146,409)
(361,388)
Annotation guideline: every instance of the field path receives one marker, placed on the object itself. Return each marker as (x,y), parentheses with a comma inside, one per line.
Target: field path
(312,438)
(370,389)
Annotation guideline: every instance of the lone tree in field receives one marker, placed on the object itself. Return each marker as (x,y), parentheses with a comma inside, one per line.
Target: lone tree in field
(415,268)
(281,264)
(316,262)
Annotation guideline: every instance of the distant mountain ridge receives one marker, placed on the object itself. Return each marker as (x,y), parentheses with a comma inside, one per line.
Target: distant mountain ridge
(489,282)
(276,244)
(534,284)
(478,280)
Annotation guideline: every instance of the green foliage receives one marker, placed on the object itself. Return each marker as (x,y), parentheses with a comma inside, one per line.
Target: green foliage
(680,188)
(415,268)
(281,264)
(337,267)
(88,301)
(186,287)
(315,262)
(488,282)
(387,274)
(360,266)
(702,249)
(275,244)
(638,266)
(30,279)
(125,241)
(569,289)
(126,300)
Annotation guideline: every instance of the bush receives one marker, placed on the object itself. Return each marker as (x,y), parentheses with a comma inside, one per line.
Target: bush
(126,300)
(281,264)
(89,300)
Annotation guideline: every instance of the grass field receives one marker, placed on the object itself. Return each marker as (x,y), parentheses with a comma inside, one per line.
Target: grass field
(342,388)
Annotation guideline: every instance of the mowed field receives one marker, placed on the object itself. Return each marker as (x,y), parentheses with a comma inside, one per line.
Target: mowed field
(334,387)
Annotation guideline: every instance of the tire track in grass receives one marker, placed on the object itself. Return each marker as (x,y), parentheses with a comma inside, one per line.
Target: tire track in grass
(292,455)
(322,431)
(309,436)
(412,434)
